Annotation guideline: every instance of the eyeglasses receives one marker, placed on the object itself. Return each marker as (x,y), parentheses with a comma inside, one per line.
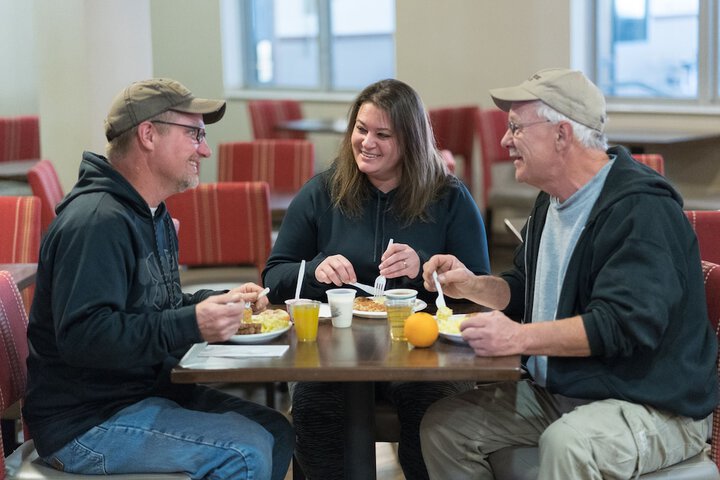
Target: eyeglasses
(515,128)
(198,132)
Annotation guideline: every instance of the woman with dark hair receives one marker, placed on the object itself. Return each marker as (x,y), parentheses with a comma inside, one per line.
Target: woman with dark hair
(388,181)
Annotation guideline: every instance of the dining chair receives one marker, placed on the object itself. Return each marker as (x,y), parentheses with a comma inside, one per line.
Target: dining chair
(224,236)
(521,463)
(45,184)
(453,128)
(266,114)
(652,160)
(706,224)
(284,164)
(19,138)
(20,233)
(499,187)
(23,463)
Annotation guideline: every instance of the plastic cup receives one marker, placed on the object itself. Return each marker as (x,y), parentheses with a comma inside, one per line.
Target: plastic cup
(341,306)
(305,314)
(400,304)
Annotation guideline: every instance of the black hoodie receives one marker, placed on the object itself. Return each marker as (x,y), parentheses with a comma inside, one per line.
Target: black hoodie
(108,319)
(635,277)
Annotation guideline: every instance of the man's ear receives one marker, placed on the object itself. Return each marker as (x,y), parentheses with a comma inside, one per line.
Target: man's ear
(146,134)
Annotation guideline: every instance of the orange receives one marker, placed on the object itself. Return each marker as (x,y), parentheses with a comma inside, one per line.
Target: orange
(421,329)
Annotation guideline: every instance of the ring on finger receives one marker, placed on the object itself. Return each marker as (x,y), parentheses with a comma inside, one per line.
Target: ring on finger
(404,264)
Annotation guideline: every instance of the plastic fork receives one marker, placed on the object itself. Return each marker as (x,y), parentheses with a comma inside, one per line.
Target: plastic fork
(380,280)
(440,300)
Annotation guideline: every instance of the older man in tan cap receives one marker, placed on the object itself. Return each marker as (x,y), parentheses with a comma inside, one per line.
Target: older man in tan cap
(605,303)
(109,319)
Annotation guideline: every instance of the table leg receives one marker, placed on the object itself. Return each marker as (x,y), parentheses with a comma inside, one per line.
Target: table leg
(360,430)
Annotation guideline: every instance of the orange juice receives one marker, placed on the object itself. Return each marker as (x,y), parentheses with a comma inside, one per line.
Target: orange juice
(306,317)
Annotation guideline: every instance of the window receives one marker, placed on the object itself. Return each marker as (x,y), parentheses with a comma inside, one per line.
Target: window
(325,45)
(654,50)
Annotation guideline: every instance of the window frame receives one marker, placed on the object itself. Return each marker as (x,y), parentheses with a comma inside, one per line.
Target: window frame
(243,87)
(707,100)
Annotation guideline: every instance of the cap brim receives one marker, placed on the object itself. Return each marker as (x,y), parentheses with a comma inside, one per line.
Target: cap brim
(211,110)
(504,97)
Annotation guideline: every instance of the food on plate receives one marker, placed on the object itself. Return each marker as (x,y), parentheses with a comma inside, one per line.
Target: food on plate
(264,322)
(421,329)
(443,313)
(450,324)
(369,304)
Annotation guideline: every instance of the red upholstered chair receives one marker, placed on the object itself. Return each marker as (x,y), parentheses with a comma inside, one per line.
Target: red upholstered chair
(45,184)
(449,160)
(521,463)
(20,233)
(454,130)
(284,164)
(499,187)
(706,224)
(24,463)
(224,226)
(652,160)
(19,138)
(266,114)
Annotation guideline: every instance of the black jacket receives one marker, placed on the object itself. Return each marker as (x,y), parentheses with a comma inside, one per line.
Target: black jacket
(108,318)
(635,277)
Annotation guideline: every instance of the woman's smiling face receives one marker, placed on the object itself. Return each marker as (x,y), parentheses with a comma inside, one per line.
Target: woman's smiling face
(376,148)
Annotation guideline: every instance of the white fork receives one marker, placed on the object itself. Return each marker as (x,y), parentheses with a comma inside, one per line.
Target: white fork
(440,300)
(380,280)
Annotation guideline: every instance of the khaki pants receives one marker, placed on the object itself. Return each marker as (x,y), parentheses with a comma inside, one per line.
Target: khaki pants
(601,439)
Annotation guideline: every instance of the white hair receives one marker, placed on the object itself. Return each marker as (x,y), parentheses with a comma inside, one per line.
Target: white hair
(587,136)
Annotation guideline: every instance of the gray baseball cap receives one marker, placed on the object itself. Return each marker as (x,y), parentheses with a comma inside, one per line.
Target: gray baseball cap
(148,98)
(567,91)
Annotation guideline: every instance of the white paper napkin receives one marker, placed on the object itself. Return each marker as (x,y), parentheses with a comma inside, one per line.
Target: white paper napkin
(243,351)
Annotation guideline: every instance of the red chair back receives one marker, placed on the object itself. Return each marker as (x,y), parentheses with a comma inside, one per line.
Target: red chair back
(20,234)
(19,138)
(711,272)
(266,114)
(491,125)
(44,183)
(13,348)
(454,130)
(225,223)
(652,160)
(706,224)
(284,164)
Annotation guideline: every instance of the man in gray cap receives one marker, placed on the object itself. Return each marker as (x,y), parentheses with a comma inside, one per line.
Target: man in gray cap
(605,303)
(109,319)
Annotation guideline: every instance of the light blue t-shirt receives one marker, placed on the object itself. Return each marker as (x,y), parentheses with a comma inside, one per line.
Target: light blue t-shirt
(563,226)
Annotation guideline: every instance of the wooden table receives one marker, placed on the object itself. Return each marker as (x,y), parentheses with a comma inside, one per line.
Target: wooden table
(16,169)
(358,357)
(22,273)
(315,125)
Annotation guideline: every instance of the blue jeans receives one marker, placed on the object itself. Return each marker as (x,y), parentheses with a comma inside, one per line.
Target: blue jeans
(212,435)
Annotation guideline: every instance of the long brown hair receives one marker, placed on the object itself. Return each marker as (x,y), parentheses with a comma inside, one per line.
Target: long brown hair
(423,172)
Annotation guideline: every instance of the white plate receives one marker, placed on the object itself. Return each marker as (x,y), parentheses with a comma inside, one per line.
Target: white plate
(258,337)
(419,305)
(453,337)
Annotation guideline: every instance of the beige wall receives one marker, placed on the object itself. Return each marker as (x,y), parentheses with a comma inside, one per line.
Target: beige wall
(73,56)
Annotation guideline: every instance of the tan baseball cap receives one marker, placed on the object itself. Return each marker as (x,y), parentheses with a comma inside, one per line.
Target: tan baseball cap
(567,91)
(145,99)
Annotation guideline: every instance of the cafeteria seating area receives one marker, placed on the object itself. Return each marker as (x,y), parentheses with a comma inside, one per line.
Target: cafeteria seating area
(67,64)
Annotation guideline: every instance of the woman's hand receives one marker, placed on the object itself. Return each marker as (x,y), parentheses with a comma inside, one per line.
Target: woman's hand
(335,269)
(400,260)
